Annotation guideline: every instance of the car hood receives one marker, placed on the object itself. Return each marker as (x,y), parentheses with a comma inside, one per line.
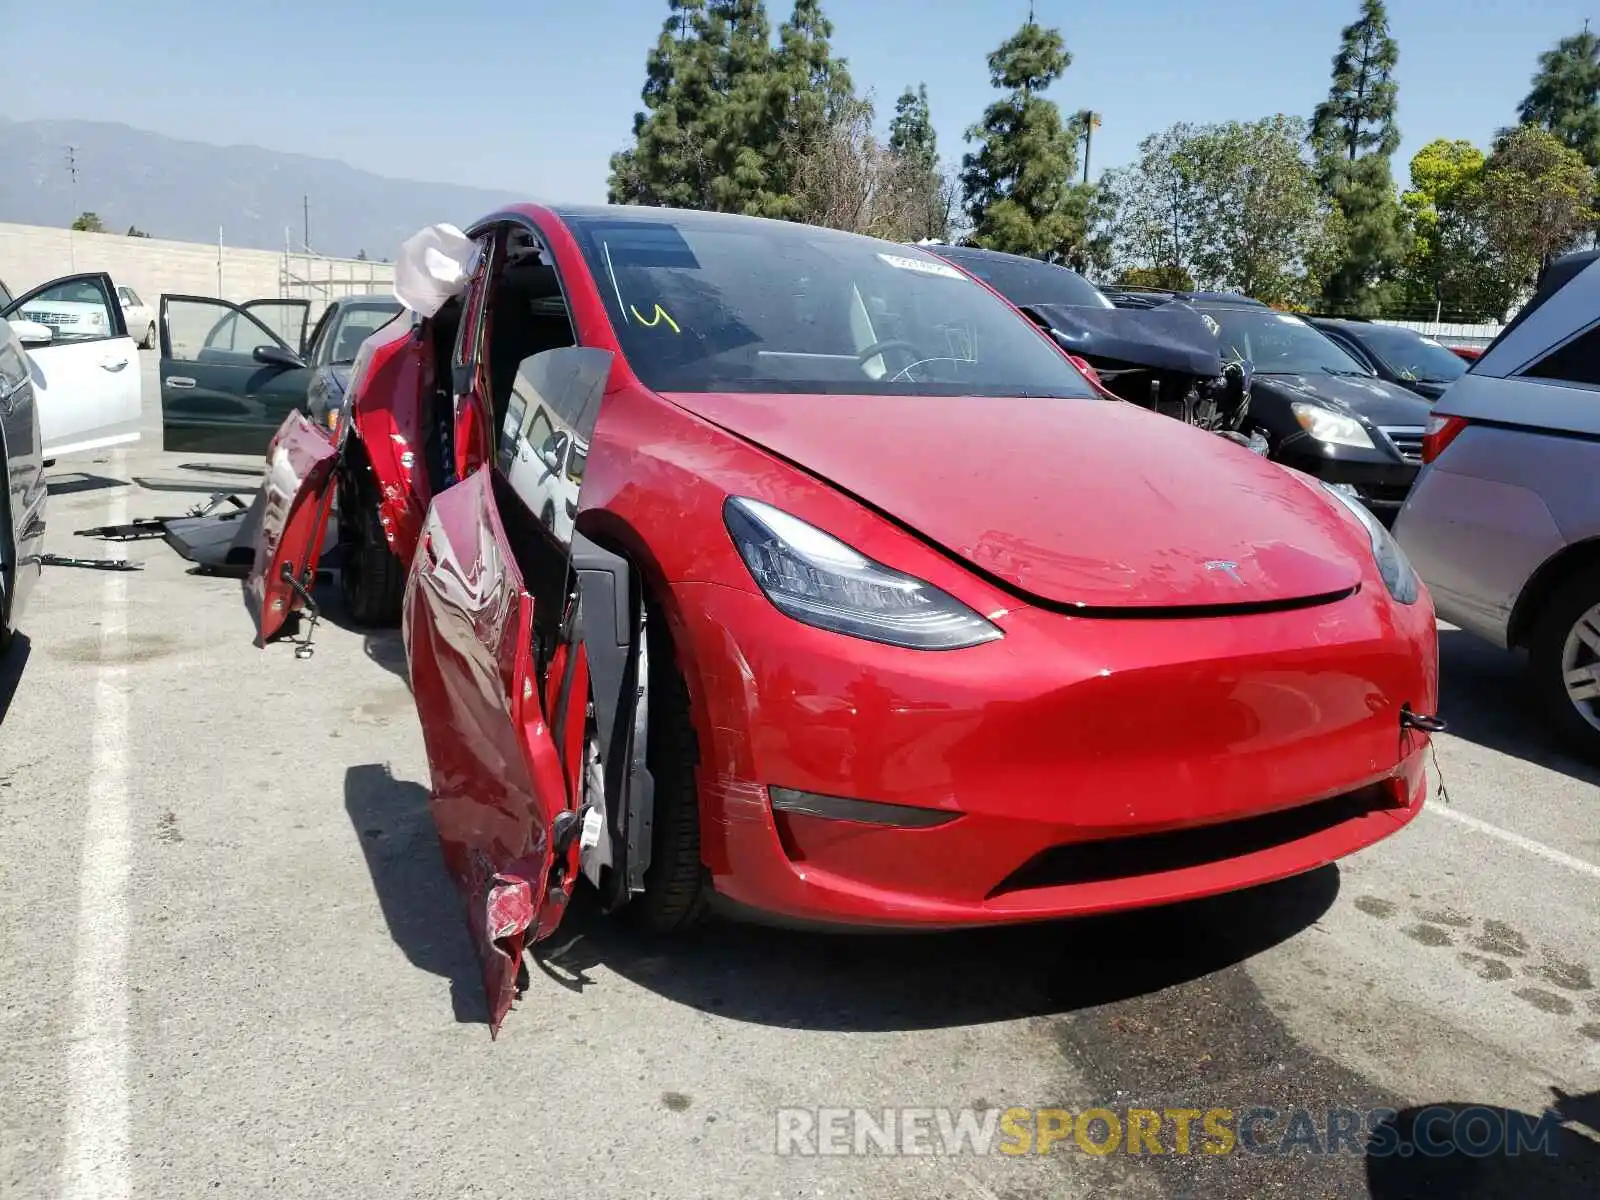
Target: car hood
(1378,400)
(1090,504)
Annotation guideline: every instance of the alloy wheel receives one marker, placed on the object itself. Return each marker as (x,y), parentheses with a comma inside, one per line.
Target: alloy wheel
(1580,666)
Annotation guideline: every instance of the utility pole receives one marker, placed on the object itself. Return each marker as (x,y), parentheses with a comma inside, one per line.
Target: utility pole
(72,172)
(305,208)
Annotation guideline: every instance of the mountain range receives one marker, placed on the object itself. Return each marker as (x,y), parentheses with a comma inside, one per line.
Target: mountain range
(170,188)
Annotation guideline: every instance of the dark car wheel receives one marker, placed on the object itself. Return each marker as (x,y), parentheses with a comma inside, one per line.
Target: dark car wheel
(371,577)
(149,342)
(1564,657)
(676,894)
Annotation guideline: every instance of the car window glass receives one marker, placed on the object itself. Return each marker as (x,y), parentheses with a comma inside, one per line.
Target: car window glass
(77,310)
(538,430)
(5,296)
(1278,343)
(1028,281)
(355,326)
(1576,362)
(211,330)
(714,305)
(130,297)
(1411,356)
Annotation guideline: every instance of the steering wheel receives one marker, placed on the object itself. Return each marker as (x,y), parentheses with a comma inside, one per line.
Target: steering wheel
(877,348)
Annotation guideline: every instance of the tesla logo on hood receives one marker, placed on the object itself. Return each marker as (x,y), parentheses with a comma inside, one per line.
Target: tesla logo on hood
(1231,569)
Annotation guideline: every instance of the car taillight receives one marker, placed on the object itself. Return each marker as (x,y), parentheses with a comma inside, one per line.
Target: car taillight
(1440,433)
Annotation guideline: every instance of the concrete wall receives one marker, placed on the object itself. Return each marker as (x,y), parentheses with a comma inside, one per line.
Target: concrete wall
(31,254)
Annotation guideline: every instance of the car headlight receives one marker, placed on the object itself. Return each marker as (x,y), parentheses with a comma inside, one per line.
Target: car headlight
(1328,426)
(1393,565)
(815,578)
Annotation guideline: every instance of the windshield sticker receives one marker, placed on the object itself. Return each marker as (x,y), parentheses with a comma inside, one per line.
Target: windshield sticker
(656,318)
(1212,324)
(923,266)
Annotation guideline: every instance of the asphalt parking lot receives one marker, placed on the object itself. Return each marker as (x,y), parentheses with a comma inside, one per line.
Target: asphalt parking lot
(231,962)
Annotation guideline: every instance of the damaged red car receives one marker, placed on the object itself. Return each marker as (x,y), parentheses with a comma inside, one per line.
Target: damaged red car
(770,568)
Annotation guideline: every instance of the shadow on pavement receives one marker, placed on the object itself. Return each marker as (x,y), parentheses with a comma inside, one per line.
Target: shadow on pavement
(67,483)
(392,824)
(1484,695)
(875,982)
(12,663)
(1466,1151)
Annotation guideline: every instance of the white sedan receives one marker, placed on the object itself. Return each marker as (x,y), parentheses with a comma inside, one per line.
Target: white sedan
(140,317)
(85,366)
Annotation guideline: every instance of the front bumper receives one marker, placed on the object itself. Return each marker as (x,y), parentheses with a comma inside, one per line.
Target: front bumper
(1382,480)
(1277,735)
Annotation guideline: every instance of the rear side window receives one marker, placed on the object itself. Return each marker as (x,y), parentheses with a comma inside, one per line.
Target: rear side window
(1576,362)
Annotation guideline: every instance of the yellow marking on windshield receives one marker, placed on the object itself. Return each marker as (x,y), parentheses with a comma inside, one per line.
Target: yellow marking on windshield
(656,318)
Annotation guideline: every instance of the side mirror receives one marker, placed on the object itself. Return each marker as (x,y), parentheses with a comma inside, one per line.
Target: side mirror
(277,356)
(32,333)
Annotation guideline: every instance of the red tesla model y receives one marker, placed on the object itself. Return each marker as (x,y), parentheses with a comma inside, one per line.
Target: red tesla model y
(766,566)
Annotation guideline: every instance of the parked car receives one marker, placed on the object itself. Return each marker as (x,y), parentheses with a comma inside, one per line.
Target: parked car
(870,616)
(86,381)
(22,485)
(1164,359)
(1417,363)
(331,349)
(1504,521)
(231,373)
(1321,410)
(138,316)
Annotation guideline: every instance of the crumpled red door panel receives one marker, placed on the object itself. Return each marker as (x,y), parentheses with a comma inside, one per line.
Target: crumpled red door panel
(298,494)
(498,784)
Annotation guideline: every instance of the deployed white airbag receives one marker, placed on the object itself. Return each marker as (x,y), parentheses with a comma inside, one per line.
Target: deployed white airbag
(434,264)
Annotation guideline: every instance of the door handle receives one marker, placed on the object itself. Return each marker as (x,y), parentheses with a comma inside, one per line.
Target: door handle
(179,382)
(113,364)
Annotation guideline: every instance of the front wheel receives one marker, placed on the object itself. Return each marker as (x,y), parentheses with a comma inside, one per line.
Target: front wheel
(1564,657)
(372,578)
(149,342)
(676,894)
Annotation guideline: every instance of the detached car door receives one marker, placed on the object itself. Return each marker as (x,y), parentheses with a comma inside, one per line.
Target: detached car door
(500,671)
(228,381)
(87,390)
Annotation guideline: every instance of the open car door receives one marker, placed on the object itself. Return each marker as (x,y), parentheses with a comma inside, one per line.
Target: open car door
(228,380)
(88,394)
(296,499)
(525,657)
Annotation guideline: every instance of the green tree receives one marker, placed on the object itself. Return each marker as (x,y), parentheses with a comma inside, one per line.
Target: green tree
(1168,278)
(1447,268)
(1565,96)
(1018,182)
(809,101)
(736,129)
(916,146)
(668,163)
(1353,134)
(1533,201)
(1232,206)
(89,222)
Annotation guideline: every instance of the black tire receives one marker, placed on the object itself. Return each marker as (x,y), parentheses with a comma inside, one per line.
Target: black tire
(676,891)
(371,578)
(7,556)
(1546,645)
(149,342)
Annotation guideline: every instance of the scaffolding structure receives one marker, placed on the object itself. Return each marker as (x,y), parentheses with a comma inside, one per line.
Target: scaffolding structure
(306,275)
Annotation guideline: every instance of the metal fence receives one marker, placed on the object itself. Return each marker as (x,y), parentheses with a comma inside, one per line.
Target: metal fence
(306,275)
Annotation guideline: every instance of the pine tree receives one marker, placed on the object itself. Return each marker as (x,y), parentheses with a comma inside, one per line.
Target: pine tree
(915,147)
(669,163)
(1018,181)
(734,126)
(809,93)
(1353,134)
(1565,97)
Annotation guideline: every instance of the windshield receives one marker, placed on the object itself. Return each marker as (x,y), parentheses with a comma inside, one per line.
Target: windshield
(1028,281)
(356,325)
(1410,355)
(705,304)
(1278,343)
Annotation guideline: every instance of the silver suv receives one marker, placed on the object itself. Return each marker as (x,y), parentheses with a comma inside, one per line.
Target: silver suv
(1504,520)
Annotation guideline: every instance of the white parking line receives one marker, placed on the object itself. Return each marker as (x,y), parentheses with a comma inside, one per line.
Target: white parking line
(1548,853)
(96,1162)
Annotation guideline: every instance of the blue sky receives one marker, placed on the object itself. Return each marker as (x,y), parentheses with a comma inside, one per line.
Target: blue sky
(533,96)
